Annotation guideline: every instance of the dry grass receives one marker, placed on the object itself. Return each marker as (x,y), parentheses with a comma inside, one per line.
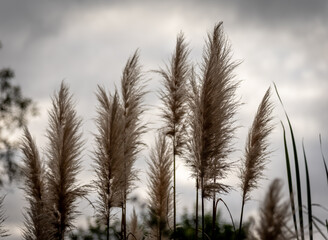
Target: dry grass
(174,98)
(132,97)
(63,153)
(256,151)
(212,107)
(36,221)
(159,176)
(274,216)
(135,230)
(108,156)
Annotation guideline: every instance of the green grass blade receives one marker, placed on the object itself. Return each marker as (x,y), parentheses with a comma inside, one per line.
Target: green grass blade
(323,158)
(298,177)
(290,182)
(308,194)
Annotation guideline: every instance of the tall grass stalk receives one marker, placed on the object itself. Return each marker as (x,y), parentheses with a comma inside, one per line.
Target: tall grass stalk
(212,106)
(256,151)
(63,153)
(36,220)
(274,215)
(132,96)
(174,98)
(109,155)
(160,180)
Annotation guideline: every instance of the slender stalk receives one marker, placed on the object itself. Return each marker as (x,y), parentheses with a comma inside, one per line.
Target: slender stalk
(196,229)
(173,97)
(203,209)
(132,97)
(241,217)
(213,218)
(174,192)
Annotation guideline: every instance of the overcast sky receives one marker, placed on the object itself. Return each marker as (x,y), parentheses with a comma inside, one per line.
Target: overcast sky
(87,43)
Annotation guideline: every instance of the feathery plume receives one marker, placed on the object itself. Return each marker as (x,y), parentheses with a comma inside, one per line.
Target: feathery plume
(174,98)
(212,106)
(108,156)
(134,229)
(159,176)
(3,231)
(256,151)
(132,96)
(36,222)
(274,215)
(63,154)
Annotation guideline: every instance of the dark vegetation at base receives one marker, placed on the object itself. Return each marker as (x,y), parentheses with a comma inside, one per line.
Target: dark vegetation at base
(185,230)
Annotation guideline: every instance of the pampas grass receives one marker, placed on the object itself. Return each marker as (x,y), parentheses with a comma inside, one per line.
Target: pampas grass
(274,215)
(174,99)
(63,153)
(212,106)
(108,156)
(135,230)
(132,96)
(256,151)
(159,176)
(36,221)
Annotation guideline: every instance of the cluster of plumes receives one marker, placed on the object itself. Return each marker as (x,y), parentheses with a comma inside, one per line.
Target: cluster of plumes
(274,216)
(213,105)
(256,151)
(52,194)
(199,119)
(118,142)
(160,180)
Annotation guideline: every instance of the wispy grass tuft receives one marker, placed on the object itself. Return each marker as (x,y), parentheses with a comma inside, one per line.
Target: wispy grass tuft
(36,219)
(274,215)
(63,153)
(108,156)
(132,96)
(256,151)
(174,98)
(135,230)
(159,177)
